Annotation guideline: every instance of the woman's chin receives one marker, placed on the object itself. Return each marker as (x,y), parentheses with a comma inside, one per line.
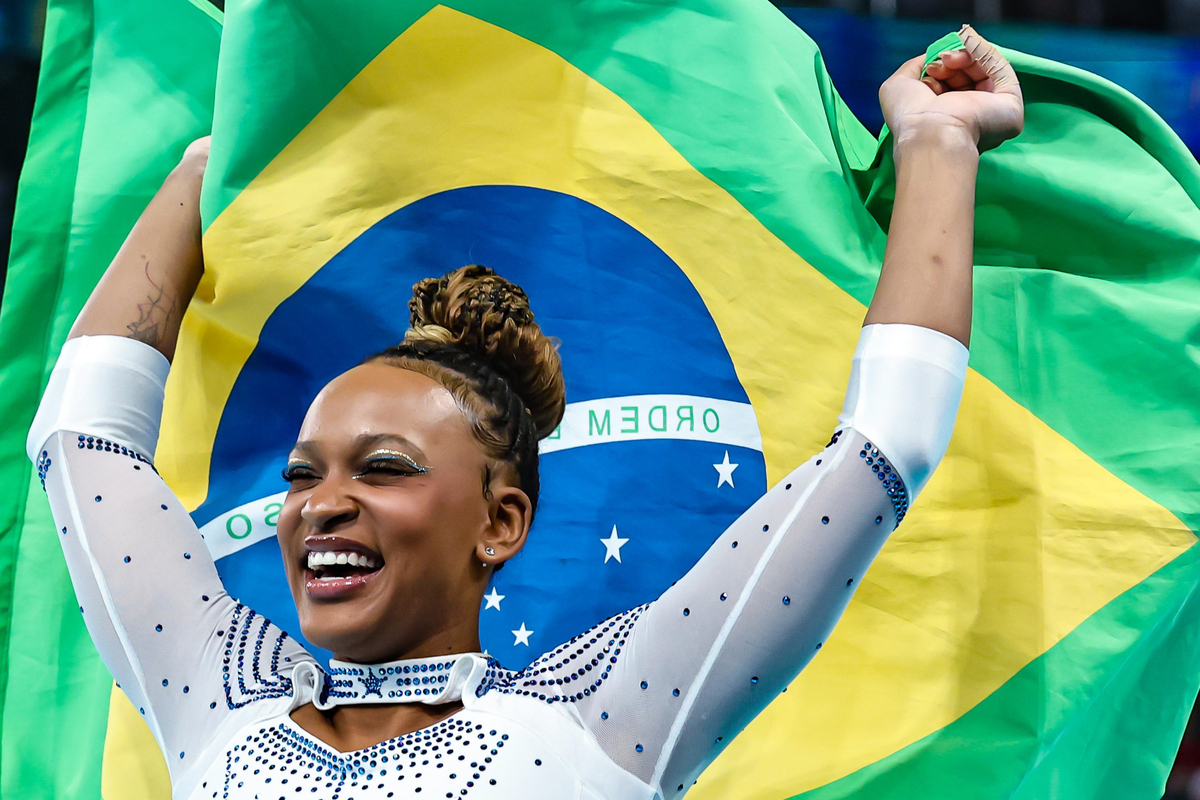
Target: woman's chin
(331,610)
(341,630)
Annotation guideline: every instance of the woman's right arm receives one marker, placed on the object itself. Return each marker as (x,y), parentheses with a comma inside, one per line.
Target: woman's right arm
(145,290)
(189,657)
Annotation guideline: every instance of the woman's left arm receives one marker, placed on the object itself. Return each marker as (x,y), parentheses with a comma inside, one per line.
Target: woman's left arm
(975,104)
(910,364)
(670,683)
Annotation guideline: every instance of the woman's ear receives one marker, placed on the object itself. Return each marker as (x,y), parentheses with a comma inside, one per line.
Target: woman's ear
(510,512)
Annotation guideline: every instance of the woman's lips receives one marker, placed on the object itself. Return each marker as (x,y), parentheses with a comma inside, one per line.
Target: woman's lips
(336,588)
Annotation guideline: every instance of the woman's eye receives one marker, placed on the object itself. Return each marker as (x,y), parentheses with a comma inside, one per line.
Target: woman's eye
(290,474)
(390,466)
(386,466)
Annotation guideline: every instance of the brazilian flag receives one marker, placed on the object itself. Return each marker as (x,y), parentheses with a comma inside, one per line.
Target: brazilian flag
(699,218)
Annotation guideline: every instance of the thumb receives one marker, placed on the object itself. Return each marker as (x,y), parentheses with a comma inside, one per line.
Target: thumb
(903,84)
(911,68)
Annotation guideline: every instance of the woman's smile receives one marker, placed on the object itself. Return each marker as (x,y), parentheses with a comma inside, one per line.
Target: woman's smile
(335,567)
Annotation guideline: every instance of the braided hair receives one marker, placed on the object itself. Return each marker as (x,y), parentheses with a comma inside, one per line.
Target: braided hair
(472,331)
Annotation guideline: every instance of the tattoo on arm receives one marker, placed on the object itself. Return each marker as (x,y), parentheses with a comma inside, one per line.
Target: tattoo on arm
(154,314)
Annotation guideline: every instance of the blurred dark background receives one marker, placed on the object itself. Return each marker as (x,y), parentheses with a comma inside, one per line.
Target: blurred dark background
(1150,47)
(21,26)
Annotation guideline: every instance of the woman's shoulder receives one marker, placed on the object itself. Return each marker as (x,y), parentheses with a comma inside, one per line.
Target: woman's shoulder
(260,660)
(571,671)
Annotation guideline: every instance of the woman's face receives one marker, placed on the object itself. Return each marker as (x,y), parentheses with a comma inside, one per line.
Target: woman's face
(386,472)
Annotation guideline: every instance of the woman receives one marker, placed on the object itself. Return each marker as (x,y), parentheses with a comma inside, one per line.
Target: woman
(415,477)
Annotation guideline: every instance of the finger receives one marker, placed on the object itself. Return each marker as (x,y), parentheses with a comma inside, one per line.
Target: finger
(960,80)
(961,61)
(933,83)
(956,59)
(954,78)
(938,69)
(987,56)
(976,71)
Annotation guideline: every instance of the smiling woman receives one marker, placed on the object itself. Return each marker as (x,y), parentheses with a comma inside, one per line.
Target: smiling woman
(415,477)
(423,454)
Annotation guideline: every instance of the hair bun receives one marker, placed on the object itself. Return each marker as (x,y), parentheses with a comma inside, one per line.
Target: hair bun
(479,311)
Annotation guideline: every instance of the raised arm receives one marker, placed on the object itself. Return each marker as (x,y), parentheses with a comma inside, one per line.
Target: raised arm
(968,102)
(191,659)
(665,686)
(145,290)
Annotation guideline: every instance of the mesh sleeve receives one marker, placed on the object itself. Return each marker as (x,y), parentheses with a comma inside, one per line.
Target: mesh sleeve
(707,656)
(665,686)
(187,655)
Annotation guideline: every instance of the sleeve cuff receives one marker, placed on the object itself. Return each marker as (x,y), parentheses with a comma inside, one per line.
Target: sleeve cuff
(917,342)
(906,384)
(105,385)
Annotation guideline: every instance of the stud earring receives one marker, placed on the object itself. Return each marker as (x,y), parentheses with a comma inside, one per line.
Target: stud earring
(489,551)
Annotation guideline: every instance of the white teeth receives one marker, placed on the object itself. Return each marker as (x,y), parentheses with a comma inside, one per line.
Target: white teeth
(331,557)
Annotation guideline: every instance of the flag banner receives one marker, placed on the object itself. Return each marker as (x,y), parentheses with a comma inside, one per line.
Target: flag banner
(699,218)
(124,86)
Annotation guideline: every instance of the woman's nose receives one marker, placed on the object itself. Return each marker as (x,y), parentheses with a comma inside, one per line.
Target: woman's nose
(329,505)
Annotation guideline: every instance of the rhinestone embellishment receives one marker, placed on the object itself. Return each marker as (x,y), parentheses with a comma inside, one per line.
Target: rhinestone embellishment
(408,680)
(109,446)
(251,663)
(889,478)
(571,671)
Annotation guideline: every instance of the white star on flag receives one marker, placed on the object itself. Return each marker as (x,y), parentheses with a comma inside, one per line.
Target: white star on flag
(493,599)
(613,545)
(725,471)
(522,635)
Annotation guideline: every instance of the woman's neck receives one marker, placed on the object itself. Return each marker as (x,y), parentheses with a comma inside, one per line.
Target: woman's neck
(444,642)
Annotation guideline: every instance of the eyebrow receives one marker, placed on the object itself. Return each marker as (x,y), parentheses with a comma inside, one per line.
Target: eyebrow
(361,441)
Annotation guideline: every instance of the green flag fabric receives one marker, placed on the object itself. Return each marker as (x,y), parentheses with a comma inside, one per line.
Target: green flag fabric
(1028,632)
(124,86)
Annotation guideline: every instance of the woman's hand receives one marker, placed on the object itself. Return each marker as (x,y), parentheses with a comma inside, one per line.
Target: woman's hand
(973,90)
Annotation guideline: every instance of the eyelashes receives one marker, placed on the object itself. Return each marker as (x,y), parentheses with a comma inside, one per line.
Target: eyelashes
(393,463)
(397,457)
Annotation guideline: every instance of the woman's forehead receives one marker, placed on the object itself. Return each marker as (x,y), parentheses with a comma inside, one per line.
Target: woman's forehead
(376,398)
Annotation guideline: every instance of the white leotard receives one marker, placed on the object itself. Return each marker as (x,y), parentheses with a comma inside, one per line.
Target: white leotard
(635,707)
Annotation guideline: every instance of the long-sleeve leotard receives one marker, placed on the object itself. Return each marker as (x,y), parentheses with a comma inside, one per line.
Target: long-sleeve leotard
(686,671)
(147,587)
